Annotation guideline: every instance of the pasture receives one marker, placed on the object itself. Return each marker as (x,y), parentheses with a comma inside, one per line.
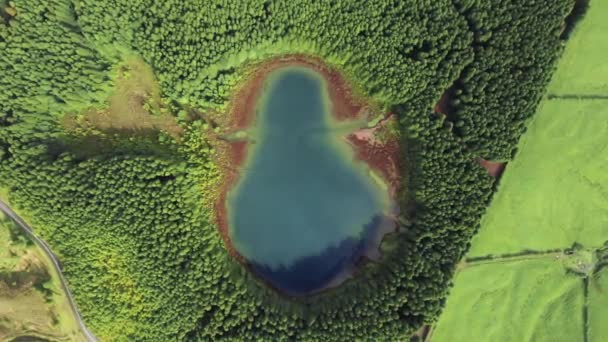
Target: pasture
(521,281)
(555,192)
(31,299)
(598,307)
(582,70)
(500,301)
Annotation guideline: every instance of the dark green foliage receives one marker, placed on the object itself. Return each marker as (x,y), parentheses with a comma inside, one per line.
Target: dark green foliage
(517,43)
(129,214)
(391,46)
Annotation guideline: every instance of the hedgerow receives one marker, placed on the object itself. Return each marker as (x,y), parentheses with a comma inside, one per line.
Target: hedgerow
(130,213)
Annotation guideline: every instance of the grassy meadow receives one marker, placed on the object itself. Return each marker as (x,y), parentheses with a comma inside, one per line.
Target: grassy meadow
(598,307)
(583,69)
(555,191)
(502,302)
(554,194)
(32,302)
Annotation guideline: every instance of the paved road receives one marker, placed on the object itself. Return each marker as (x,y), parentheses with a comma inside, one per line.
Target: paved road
(47,250)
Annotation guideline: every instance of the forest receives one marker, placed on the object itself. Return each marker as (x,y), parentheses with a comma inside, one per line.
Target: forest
(129,209)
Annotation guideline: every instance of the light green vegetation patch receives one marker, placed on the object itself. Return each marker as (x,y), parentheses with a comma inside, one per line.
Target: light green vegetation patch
(583,69)
(31,299)
(556,191)
(580,261)
(134,105)
(502,302)
(598,307)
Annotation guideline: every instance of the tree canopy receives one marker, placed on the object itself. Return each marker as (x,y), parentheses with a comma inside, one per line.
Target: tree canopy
(130,212)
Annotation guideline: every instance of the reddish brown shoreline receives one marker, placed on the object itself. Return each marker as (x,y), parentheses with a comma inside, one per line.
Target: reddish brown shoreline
(383,157)
(235,153)
(345,105)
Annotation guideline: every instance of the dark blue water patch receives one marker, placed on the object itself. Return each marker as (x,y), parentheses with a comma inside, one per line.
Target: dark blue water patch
(311,274)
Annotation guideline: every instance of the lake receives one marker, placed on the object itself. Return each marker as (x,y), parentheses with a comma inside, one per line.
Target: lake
(303,211)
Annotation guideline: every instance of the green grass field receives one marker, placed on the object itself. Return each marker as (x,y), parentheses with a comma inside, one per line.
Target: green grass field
(598,307)
(583,68)
(554,194)
(31,299)
(501,302)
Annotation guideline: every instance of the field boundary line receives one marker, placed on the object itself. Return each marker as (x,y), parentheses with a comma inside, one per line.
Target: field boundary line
(576,97)
(524,255)
(509,260)
(586,309)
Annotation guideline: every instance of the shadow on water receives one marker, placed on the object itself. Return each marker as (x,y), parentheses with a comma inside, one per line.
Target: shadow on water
(334,265)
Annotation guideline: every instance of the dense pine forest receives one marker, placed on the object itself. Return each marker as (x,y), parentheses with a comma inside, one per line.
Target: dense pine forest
(104,145)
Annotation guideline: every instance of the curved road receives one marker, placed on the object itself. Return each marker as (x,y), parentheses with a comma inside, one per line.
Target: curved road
(47,250)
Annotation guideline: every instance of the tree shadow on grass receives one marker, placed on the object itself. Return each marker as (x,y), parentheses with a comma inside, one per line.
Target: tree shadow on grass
(112,143)
(525,252)
(576,15)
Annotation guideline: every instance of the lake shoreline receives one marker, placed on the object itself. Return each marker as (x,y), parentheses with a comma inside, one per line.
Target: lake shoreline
(381,157)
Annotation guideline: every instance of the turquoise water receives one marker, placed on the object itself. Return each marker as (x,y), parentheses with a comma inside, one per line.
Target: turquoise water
(303,209)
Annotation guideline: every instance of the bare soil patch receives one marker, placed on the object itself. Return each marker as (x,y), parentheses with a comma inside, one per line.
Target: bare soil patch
(382,155)
(495,169)
(444,105)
